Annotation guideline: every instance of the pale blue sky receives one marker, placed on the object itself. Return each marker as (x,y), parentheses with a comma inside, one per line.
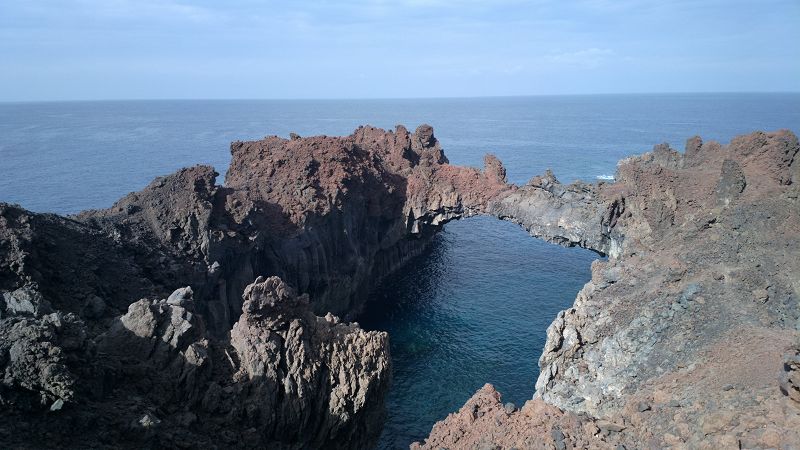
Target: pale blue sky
(143,49)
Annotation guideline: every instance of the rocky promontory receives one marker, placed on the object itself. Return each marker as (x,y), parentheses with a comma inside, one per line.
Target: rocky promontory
(192,313)
(687,335)
(142,323)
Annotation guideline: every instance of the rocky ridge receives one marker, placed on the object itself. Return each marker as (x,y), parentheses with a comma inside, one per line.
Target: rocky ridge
(687,335)
(329,215)
(701,281)
(88,350)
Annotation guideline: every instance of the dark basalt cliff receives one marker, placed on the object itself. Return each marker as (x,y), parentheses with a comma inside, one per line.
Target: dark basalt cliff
(91,355)
(688,321)
(329,215)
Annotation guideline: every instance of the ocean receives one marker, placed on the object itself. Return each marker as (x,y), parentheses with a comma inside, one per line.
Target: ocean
(474,308)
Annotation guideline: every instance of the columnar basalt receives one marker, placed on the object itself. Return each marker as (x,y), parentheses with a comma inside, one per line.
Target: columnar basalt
(330,216)
(285,379)
(695,313)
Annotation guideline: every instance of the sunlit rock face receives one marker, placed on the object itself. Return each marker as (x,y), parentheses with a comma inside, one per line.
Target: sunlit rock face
(285,379)
(687,335)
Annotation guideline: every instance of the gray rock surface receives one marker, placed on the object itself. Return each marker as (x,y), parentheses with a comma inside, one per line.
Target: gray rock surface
(285,379)
(35,357)
(790,379)
(334,375)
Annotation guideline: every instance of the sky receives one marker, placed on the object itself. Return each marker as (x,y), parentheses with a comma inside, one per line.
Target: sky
(247,49)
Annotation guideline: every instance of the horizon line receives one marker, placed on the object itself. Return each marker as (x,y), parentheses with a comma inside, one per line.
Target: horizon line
(189,99)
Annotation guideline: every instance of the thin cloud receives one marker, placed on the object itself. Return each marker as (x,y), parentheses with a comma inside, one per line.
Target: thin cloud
(589,58)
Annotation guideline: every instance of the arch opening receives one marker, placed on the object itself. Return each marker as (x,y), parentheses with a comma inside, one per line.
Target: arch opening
(473,308)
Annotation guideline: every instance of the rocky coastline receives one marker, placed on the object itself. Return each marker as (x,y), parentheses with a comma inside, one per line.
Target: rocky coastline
(688,335)
(192,313)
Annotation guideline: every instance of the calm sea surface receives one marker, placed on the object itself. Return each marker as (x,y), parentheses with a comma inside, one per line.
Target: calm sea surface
(475,307)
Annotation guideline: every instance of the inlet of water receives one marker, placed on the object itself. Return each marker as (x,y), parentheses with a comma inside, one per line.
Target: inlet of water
(472,309)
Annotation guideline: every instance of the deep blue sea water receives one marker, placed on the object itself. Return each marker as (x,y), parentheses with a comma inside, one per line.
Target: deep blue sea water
(475,307)
(471,310)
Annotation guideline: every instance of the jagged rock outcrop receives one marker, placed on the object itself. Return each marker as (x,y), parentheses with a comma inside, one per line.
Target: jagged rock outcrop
(285,379)
(334,373)
(790,379)
(686,323)
(486,422)
(680,337)
(329,215)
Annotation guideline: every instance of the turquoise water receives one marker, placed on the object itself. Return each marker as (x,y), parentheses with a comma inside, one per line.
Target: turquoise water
(475,307)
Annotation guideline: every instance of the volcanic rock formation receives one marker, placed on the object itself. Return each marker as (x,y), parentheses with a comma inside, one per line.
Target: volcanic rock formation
(692,320)
(687,336)
(92,357)
(285,379)
(329,215)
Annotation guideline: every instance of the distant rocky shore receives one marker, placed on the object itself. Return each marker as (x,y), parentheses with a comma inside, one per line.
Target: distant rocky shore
(192,314)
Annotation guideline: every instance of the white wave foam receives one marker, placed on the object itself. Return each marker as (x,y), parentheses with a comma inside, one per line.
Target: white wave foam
(606,177)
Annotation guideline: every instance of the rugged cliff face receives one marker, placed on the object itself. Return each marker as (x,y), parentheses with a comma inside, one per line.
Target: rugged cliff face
(687,335)
(692,320)
(329,215)
(87,350)
(286,378)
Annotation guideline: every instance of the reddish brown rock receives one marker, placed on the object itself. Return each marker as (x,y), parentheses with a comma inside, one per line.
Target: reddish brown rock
(331,215)
(483,422)
(678,340)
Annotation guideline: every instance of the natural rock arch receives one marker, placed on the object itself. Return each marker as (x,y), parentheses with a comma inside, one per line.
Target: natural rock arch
(332,215)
